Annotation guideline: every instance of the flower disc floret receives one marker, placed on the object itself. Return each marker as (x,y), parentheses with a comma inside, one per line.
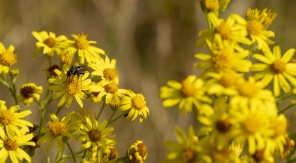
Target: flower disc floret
(94,135)
(255,27)
(81,41)
(10,145)
(278,66)
(110,73)
(6,117)
(50,42)
(56,128)
(224,30)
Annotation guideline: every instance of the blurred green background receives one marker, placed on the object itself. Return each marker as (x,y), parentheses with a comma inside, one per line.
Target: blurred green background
(152,40)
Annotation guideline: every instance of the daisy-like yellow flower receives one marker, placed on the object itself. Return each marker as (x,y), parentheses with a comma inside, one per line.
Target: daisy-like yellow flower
(228,30)
(265,16)
(276,67)
(57,129)
(136,104)
(83,47)
(94,135)
(209,6)
(223,83)
(11,147)
(29,92)
(187,149)
(49,42)
(219,125)
(69,87)
(252,125)
(11,119)
(261,155)
(106,70)
(109,155)
(108,91)
(7,58)
(50,71)
(224,58)
(138,152)
(250,92)
(188,94)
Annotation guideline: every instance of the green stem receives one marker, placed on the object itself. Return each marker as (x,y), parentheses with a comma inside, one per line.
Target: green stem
(284,98)
(71,151)
(111,115)
(83,156)
(12,90)
(101,110)
(288,107)
(58,111)
(59,155)
(209,22)
(121,115)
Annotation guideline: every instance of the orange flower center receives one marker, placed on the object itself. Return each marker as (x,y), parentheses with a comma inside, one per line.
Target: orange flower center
(27,91)
(50,42)
(7,58)
(252,124)
(81,42)
(255,27)
(110,73)
(94,135)
(188,156)
(56,128)
(111,88)
(248,89)
(6,117)
(224,30)
(10,145)
(138,102)
(223,125)
(278,66)
(221,61)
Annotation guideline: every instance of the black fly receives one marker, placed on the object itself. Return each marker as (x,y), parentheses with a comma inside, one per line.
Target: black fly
(75,70)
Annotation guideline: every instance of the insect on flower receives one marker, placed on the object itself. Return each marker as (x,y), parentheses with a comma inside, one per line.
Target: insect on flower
(75,70)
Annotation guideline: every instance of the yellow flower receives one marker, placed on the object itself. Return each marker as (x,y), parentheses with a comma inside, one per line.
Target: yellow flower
(11,146)
(136,104)
(83,47)
(7,58)
(223,83)
(106,70)
(224,58)
(94,135)
(49,42)
(69,87)
(11,118)
(250,93)
(187,149)
(50,71)
(276,67)
(228,30)
(58,129)
(265,16)
(28,93)
(108,91)
(252,125)
(189,94)
(138,152)
(110,155)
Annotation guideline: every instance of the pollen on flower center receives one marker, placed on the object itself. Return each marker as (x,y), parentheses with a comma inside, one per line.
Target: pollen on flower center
(7,58)
(219,155)
(188,89)
(10,145)
(50,42)
(111,88)
(6,117)
(143,150)
(138,102)
(56,128)
(188,156)
(110,73)
(223,125)
(278,66)
(81,42)
(73,87)
(27,91)
(224,30)
(258,156)
(252,124)
(94,135)
(255,27)
(228,80)
(221,61)
(248,89)
(279,127)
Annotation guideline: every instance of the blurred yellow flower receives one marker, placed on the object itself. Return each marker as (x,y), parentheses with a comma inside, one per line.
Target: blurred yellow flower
(136,104)
(84,49)
(276,67)
(69,87)
(28,93)
(7,58)
(49,42)
(138,152)
(189,94)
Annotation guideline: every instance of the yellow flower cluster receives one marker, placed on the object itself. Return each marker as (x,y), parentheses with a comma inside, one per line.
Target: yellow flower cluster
(236,109)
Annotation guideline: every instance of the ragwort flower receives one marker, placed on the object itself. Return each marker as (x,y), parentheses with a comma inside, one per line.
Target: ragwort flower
(57,129)
(11,146)
(276,67)
(11,118)
(136,104)
(69,87)
(94,135)
(28,93)
(137,152)
(83,47)
(188,94)
(49,42)
(7,58)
